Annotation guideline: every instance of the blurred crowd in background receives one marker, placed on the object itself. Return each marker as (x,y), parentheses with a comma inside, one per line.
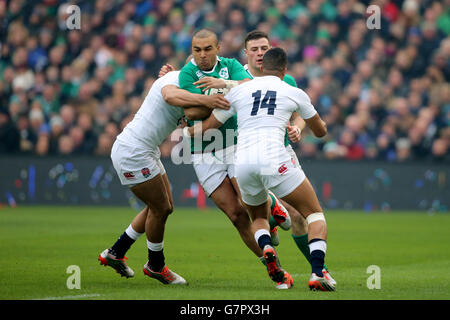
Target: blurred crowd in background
(384,93)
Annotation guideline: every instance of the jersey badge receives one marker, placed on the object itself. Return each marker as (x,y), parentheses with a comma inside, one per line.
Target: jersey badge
(223,73)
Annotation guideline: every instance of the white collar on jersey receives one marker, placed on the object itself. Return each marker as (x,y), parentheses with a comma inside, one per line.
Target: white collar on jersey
(268,76)
(248,70)
(212,70)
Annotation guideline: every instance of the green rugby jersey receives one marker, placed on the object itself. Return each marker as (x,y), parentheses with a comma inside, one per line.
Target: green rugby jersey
(225,68)
(290,81)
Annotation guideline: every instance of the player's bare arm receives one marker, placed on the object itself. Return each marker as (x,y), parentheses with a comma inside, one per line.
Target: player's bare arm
(197,113)
(182,98)
(317,125)
(199,128)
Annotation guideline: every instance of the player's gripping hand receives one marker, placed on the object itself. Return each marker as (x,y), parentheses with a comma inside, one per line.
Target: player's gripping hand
(294,133)
(165,69)
(217,101)
(206,83)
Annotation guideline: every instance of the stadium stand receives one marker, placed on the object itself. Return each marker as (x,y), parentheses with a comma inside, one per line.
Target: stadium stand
(384,93)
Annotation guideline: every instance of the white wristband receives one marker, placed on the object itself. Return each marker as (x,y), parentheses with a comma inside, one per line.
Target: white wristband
(186,132)
(231,83)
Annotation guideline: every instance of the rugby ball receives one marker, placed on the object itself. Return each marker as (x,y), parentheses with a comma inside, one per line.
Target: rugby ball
(213,91)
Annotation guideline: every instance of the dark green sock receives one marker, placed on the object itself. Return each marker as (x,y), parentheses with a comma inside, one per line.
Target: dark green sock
(272,221)
(263,261)
(302,244)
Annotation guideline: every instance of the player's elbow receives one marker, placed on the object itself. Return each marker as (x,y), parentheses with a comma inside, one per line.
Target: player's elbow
(196,113)
(321,131)
(319,128)
(169,96)
(191,114)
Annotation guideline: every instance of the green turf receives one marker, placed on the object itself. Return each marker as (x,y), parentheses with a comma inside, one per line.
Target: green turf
(37,244)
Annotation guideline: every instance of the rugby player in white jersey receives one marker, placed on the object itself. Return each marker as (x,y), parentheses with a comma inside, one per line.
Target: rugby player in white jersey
(264,107)
(256,44)
(136,158)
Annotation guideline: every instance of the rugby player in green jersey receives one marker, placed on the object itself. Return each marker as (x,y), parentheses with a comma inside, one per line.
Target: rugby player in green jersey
(256,44)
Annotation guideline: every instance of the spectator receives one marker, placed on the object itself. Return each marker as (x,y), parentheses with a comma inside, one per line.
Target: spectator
(353,150)
(440,149)
(9,135)
(403,149)
(42,145)
(56,131)
(66,145)
(68,115)
(104,145)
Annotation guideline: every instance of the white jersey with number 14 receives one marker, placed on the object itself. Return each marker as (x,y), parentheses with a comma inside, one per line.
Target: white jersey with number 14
(264,107)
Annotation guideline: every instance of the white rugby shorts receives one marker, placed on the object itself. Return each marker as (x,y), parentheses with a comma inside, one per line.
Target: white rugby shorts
(135,165)
(211,169)
(293,155)
(254,181)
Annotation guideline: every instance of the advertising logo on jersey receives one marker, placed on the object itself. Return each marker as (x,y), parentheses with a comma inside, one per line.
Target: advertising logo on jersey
(199,74)
(145,172)
(129,175)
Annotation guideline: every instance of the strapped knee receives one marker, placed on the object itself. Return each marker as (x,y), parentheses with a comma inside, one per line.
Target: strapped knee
(313,217)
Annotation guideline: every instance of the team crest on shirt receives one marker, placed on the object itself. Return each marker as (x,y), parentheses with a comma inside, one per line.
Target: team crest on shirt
(223,73)
(145,172)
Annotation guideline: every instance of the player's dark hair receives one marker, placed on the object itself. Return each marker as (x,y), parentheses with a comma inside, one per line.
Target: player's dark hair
(274,60)
(255,35)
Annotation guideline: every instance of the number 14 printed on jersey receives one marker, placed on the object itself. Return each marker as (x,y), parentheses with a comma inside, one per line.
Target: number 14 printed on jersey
(267,102)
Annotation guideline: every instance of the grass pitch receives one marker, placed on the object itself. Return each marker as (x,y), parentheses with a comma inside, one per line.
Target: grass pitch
(38,244)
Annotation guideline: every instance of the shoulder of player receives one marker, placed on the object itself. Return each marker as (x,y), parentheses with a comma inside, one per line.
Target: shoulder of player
(188,68)
(296,93)
(229,62)
(226,60)
(290,90)
(290,80)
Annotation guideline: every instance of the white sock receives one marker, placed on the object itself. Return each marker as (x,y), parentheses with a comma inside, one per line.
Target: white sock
(133,234)
(155,246)
(318,245)
(261,232)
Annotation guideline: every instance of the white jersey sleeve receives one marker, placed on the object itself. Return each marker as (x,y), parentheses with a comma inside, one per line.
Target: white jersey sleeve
(223,115)
(155,119)
(304,106)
